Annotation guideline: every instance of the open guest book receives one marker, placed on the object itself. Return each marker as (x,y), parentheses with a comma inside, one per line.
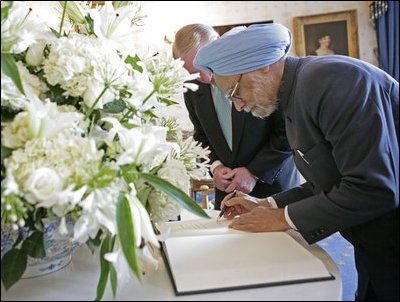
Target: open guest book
(204,255)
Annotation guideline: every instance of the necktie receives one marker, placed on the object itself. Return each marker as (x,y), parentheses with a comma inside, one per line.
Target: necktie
(223,108)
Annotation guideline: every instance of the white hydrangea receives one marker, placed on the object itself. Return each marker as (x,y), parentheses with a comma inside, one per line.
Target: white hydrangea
(42,119)
(69,63)
(162,207)
(175,172)
(83,66)
(73,158)
(18,132)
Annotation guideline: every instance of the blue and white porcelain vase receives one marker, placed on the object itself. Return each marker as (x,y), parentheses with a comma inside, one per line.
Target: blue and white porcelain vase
(58,248)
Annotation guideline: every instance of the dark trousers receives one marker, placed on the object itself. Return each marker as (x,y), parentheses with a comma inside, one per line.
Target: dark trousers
(376,251)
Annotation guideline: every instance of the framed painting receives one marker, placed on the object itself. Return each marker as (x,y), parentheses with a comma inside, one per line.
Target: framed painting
(326,34)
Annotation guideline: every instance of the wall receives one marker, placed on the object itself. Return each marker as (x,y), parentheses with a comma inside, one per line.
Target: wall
(166,17)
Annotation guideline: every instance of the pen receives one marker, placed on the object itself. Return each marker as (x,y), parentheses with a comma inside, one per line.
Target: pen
(302,156)
(223,211)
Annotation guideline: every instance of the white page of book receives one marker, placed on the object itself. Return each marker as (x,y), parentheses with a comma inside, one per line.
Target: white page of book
(222,261)
(196,227)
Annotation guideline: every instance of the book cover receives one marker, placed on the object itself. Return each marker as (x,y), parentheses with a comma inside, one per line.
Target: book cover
(204,255)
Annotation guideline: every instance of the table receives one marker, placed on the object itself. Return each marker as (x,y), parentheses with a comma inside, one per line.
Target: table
(78,281)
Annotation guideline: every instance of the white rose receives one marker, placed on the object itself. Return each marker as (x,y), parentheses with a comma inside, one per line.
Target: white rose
(43,185)
(34,55)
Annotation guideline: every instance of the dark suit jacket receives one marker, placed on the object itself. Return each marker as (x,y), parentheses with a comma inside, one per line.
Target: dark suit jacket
(259,145)
(342,121)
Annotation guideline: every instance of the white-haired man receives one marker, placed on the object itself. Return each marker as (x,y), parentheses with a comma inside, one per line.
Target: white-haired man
(247,153)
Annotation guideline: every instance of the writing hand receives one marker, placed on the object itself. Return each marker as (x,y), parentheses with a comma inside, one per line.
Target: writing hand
(261,219)
(238,204)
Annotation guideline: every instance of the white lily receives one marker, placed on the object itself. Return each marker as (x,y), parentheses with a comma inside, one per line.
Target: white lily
(116,27)
(143,145)
(47,121)
(98,211)
(22,28)
(141,219)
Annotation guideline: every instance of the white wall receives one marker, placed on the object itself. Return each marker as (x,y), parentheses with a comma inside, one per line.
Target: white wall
(166,17)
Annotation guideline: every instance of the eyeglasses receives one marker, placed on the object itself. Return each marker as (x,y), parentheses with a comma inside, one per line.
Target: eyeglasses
(231,96)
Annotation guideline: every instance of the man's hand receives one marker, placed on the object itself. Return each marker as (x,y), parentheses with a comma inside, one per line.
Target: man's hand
(261,219)
(242,180)
(221,177)
(238,203)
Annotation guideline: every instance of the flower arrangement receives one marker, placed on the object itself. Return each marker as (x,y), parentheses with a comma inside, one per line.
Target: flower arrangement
(80,137)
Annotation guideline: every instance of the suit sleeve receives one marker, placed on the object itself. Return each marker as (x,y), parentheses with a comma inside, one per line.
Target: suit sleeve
(269,161)
(199,134)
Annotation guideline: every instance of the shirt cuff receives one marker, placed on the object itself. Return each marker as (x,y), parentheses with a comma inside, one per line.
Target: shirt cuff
(288,220)
(214,165)
(273,204)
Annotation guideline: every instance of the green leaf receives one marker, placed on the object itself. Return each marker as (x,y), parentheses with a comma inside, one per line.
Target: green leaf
(5,152)
(143,194)
(114,280)
(126,233)
(129,173)
(175,193)
(6,115)
(150,113)
(116,106)
(13,265)
(56,33)
(89,24)
(9,68)
(168,102)
(133,61)
(5,9)
(104,268)
(34,245)
(35,221)
(92,244)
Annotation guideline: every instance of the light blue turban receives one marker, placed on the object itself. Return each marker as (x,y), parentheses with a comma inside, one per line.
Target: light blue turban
(245,50)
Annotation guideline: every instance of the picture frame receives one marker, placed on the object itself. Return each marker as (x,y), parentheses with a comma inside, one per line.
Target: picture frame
(331,33)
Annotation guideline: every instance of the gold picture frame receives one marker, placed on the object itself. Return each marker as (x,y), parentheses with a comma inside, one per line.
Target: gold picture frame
(340,27)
